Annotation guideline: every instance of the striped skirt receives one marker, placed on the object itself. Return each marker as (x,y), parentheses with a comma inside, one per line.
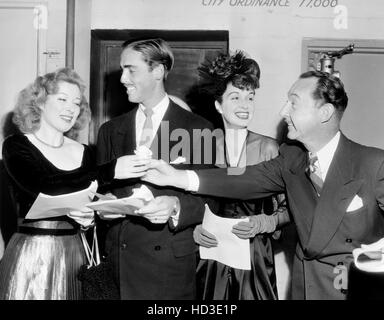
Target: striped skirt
(42,266)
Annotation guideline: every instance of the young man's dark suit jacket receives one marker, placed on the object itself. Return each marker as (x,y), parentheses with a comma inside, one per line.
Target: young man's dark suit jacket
(154,261)
(327,232)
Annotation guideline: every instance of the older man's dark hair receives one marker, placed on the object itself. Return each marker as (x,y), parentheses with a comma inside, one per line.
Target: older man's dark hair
(329,89)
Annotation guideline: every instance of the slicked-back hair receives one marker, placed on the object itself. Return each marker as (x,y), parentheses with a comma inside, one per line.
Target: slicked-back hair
(154,52)
(27,112)
(329,89)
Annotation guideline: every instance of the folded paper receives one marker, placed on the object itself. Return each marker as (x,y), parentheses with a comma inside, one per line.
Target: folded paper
(231,250)
(46,206)
(127,206)
(370,257)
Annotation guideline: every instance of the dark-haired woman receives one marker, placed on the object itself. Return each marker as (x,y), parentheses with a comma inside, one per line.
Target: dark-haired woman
(231,81)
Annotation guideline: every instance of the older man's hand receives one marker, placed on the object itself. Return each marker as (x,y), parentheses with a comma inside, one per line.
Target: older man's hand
(161,173)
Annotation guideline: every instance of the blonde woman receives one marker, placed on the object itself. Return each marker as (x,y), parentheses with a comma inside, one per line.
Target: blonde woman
(43,258)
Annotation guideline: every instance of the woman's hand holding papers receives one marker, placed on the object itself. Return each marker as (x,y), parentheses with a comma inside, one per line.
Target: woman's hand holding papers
(204,238)
(85,218)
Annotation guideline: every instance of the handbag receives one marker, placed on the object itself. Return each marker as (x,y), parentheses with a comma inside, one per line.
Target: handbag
(96,276)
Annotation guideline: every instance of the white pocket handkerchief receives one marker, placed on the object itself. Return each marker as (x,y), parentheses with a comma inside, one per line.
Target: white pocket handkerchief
(355,204)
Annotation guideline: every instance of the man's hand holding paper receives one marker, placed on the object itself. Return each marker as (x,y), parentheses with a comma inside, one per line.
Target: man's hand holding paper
(142,202)
(160,209)
(118,208)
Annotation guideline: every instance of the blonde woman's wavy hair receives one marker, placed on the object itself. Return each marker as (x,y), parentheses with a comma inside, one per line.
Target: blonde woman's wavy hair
(27,112)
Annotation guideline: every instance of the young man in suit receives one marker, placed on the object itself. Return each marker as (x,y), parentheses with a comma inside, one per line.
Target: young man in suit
(153,255)
(334,186)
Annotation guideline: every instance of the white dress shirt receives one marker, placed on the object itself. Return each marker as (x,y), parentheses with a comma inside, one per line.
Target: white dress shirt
(158,115)
(324,155)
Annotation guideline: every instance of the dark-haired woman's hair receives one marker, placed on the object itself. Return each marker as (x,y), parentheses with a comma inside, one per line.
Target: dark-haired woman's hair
(215,75)
(237,69)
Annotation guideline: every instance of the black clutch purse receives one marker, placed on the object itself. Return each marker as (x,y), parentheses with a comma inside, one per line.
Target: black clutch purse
(98,283)
(97,277)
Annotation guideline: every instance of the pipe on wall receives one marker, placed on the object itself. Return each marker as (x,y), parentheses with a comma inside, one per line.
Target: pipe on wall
(70,35)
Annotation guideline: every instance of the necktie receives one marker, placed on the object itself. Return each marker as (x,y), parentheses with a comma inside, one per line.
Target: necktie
(315,173)
(146,134)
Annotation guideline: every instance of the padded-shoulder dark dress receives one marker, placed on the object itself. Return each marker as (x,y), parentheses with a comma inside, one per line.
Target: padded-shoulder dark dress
(217,281)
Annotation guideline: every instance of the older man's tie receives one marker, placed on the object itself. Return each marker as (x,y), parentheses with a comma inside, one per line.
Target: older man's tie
(315,173)
(146,134)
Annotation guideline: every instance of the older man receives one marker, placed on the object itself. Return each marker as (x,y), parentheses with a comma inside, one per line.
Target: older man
(335,187)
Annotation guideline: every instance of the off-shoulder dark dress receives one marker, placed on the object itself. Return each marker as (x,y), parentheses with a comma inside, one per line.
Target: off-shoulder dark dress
(43,258)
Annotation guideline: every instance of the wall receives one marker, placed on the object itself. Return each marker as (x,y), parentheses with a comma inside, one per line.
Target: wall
(22,46)
(270,34)
(53,27)
(82,54)
(83,40)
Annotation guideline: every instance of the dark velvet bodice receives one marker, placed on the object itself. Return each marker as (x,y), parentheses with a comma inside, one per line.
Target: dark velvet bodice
(31,172)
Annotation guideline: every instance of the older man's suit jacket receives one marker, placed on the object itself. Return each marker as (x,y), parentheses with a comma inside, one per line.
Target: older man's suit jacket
(154,261)
(327,232)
